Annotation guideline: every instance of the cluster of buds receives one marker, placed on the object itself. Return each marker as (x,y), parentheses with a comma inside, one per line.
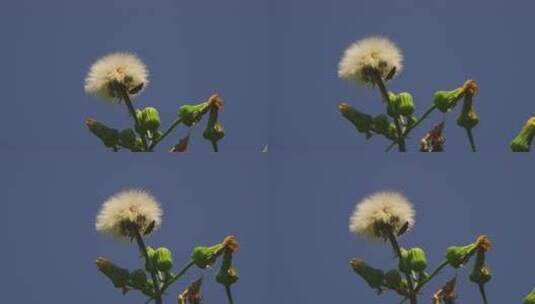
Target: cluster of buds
(530,298)
(522,142)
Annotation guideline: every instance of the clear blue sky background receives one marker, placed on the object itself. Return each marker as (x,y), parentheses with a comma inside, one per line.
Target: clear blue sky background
(290,212)
(274,63)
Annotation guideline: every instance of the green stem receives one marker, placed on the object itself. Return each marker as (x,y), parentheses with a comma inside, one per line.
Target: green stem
(229,294)
(471,139)
(432,275)
(143,249)
(382,87)
(397,250)
(214,146)
(420,120)
(132,111)
(177,276)
(169,130)
(482,292)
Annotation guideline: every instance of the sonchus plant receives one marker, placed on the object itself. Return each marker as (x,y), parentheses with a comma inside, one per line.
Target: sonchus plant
(385,217)
(133,215)
(118,78)
(372,62)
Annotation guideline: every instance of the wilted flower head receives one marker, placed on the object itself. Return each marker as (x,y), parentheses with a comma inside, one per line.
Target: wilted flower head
(380,211)
(128,210)
(366,56)
(113,70)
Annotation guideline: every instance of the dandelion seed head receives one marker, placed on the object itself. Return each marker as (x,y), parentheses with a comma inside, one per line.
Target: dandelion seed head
(381,209)
(127,209)
(117,68)
(363,56)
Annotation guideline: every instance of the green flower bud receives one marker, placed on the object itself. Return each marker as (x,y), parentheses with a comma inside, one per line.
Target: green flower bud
(163,259)
(214,130)
(393,105)
(404,265)
(468,120)
(192,114)
(530,298)
(227,274)
(481,275)
(417,259)
(127,137)
(108,136)
(362,121)
(204,256)
(117,275)
(459,255)
(381,123)
(138,279)
(150,119)
(374,277)
(150,264)
(406,104)
(393,279)
(148,289)
(447,100)
(522,142)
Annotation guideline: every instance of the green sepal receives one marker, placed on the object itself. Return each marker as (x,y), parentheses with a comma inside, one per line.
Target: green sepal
(393,105)
(204,256)
(404,265)
(151,263)
(150,119)
(406,104)
(227,274)
(163,259)
(522,142)
(192,114)
(459,255)
(417,259)
(447,100)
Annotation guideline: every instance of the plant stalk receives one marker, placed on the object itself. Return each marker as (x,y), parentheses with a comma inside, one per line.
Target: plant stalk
(397,250)
(229,294)
(167,132)
(132,111)
(483,293)
(155,280)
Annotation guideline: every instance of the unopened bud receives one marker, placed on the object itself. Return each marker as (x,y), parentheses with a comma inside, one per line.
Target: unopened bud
(374,277)
(108,136)
(118,276)
(459,255)
(362,121)
(192,114)
(393,103)
(417,259)
(522,142)
(447,100)
(138,279)
(406,104)
(204,256)
(404,265)
(227,274)
(150,119)
(214,130)
(393,279)
(127,137)
(163,259)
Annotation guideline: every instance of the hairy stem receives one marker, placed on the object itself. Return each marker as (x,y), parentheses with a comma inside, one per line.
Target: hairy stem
(471,139)
(214,146)
(167,132)
(482,292)
(384,92)
(177,276)
(432,275)
(397,250)
(143,249)
(132,111)
(229,294)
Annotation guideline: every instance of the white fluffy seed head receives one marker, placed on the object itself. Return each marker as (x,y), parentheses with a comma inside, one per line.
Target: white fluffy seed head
(123,68)
(379,210)
(127,209)
(377,53)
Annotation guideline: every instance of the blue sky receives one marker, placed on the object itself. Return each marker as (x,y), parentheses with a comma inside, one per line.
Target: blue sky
(290,212)
(273,62)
